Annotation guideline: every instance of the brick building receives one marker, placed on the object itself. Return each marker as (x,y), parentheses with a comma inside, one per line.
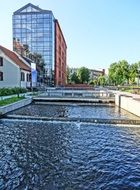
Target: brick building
(60,56)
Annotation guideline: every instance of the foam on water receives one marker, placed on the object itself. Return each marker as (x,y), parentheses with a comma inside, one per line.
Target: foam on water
(77,124)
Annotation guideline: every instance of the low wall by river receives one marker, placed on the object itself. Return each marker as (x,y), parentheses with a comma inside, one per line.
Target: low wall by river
(13,106)
(129,102)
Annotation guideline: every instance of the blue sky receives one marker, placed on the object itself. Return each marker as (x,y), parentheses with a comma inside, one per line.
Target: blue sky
(97,32)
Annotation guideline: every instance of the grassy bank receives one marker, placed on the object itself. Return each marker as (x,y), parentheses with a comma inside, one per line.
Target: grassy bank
(10,100)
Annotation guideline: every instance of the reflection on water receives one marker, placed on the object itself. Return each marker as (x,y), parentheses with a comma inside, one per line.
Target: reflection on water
(71,111)
(47,156)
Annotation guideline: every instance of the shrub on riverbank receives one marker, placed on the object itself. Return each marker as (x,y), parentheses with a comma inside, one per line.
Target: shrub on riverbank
(11,91)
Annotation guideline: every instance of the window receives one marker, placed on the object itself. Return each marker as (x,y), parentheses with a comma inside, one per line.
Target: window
(1,76)
(63,55)
(28,77)
(22,76)
(1,61)
(59,38)
(17,16)
(59,74)
(62,76)
(16,21)
(40,15)
(46,16)
(60,62)
(59,50)
(23,16)
(17,30)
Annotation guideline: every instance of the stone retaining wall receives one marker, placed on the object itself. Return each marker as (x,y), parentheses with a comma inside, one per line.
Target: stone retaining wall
(13,106)
(129,102)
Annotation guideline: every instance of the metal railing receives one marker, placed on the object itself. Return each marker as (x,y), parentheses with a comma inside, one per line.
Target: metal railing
(77,93)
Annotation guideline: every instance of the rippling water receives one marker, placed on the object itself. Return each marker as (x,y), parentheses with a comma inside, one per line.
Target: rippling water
(71,156)
(74,110)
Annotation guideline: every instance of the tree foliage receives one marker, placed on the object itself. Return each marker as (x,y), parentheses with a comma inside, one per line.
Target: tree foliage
(93,82)
(74,78)
(101,80)
(83,74)
(112,73)
(133,73)
(123,73)
(119,72)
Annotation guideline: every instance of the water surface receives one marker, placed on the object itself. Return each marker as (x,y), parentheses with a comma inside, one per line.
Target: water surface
(75,156)
(74,110)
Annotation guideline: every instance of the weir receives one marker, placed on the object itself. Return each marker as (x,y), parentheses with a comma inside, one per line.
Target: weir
(93,111)
(61,142)
(73,93)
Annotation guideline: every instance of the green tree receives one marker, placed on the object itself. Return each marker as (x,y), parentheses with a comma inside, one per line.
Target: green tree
(93,82)
(112,73)
(138,69)
(74,78)
(119,72)
(83,74)
(124,71)
(101,80)
(133,72)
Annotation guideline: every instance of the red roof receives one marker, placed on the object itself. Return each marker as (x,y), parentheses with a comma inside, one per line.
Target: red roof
(15,58)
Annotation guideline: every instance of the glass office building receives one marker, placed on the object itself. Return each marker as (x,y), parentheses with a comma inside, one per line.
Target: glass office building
(34,27)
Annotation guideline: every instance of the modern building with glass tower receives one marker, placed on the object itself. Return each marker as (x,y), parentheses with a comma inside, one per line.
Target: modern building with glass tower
(36,28)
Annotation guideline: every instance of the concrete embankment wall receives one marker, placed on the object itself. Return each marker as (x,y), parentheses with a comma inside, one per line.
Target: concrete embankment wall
(129,102)
(13,106)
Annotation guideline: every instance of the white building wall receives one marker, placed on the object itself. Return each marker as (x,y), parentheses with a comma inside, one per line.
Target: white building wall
(11,73)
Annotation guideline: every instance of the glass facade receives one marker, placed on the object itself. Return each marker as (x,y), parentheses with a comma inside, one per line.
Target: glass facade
(34,27)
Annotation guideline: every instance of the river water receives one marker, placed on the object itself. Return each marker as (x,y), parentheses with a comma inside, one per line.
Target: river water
(74,110)
(68,155)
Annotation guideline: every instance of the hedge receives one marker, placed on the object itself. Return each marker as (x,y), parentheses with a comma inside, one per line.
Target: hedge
(11,91)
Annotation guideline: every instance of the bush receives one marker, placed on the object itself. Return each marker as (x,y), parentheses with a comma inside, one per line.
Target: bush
(11,91)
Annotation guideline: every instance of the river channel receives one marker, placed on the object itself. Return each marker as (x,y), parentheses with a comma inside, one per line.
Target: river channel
(52,155)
